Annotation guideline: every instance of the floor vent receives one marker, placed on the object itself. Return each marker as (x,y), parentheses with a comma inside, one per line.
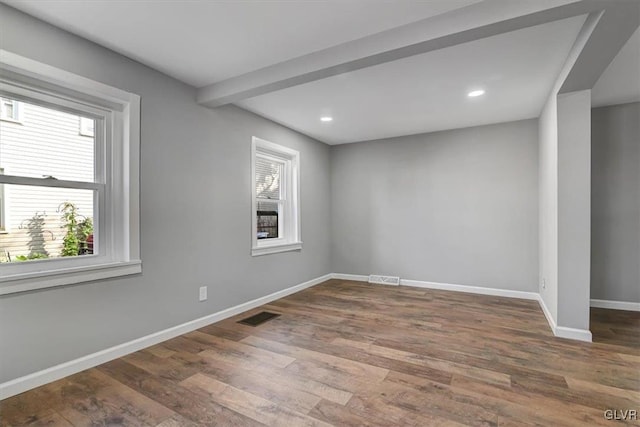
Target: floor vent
(258,319)
(384,280)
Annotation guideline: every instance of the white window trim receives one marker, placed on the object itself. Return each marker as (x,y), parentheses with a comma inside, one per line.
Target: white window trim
(291,241)
(123,126)
(3,207)
(17,108)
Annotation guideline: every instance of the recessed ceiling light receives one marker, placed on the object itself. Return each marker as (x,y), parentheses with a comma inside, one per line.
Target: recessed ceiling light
(326,119)
(475,93)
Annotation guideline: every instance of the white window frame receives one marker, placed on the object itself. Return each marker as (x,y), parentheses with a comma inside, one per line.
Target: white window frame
(3,208)
(116,185)
(289,219)
(17,111)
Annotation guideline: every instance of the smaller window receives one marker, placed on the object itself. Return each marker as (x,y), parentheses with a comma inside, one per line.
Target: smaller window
(10,110)
(87,126)
(275,204)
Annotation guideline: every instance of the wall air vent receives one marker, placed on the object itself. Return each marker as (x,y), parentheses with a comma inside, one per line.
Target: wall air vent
(384,280)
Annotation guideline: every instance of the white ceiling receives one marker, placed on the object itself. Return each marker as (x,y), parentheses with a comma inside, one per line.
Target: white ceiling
(202,42)
(428,92)
(620,82)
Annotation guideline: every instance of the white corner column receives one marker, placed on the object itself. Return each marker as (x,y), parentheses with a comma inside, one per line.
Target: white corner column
(574,214)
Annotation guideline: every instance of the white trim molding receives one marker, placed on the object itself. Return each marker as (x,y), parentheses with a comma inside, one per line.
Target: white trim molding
(116,213)
(558,331)
(68,276)
(547,314)
(563,331)
(266,250)
(36,379)
(289,228)
(615,305)
(471,289)
(573,334)
(353,277)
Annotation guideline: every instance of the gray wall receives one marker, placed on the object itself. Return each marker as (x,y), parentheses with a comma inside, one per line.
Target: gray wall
(615,203)
(195,215)
(455,207)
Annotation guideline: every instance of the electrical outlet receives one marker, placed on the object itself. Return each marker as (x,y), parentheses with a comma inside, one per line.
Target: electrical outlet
(544,283)
(203,293)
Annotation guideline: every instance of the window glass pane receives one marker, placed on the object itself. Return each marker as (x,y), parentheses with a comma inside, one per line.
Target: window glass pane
(46,222)
(268,178)
(268,214)
(46,143)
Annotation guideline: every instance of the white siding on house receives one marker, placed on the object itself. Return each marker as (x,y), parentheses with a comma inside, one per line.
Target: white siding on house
(45,142)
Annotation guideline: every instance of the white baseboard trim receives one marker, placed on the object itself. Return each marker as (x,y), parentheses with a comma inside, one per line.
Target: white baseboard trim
(563,331)
(471,289)
(547,314)
(573,334)
(615,305)
(558,331)
(36,379)
(45,376)
(354,277)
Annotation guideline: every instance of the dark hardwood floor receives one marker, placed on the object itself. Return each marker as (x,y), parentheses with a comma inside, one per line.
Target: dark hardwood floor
(616,327)
(352,354)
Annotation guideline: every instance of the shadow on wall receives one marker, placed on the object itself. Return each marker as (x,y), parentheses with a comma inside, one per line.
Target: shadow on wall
(30,240)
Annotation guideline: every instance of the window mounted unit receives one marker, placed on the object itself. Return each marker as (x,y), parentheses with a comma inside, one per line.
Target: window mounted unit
(275,172)
(70,198)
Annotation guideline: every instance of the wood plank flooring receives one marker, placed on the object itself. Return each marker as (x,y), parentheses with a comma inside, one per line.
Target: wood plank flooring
(616,327)
(353,354)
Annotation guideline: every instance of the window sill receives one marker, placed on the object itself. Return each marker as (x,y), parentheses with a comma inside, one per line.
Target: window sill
(67,276)
(10,120)
(274,249)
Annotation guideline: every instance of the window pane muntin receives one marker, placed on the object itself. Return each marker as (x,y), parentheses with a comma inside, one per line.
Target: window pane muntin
(103,120)
(105,113)
(46,143)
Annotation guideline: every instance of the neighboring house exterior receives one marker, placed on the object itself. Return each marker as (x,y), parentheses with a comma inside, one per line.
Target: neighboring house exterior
(38,142)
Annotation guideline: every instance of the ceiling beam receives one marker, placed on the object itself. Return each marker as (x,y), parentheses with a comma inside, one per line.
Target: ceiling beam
(474,22)
(614,27)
